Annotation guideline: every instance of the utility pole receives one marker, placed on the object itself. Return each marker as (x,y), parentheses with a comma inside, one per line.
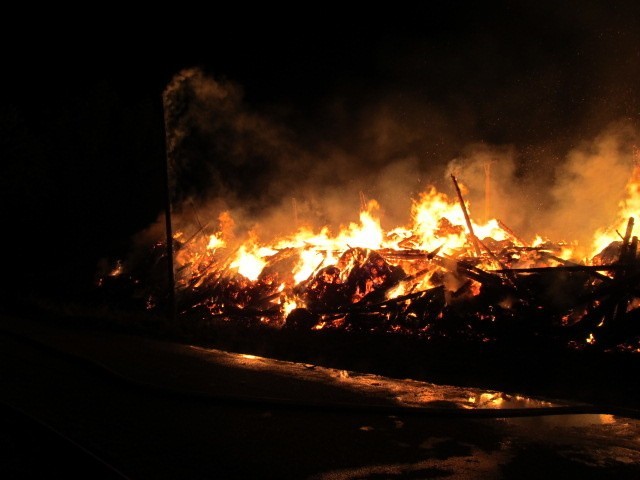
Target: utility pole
(171,278)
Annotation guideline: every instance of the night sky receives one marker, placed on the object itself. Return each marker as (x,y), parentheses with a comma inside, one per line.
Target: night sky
(81,136)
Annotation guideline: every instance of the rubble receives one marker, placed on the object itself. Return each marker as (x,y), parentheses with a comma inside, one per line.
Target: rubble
(485,289)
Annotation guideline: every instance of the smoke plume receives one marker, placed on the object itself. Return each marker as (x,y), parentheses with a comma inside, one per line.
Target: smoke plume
(274,177)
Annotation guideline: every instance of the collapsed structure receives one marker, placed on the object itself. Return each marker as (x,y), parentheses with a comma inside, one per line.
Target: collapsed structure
(444,276)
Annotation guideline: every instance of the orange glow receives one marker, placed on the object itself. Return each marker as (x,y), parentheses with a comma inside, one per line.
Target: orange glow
(308,268)
(251,262)
(437,225)
(215,242)
(628,207)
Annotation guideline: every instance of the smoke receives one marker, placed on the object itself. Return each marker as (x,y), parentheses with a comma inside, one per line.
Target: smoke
(568,201)
(489,182)
(591,184)
(224,156)
(274,176)
(215,146)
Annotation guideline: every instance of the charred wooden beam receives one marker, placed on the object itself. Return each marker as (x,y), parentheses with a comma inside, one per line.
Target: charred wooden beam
(192,237)
(247,312)
(511,233)
(380,307)
(563,268)
(620,301)
(613,288)
(491,254)
(409,254)
(626,241)
(466,269)
(418,274)
(510,277)
(217,276)
(564,262)
(628,252)
(467,219)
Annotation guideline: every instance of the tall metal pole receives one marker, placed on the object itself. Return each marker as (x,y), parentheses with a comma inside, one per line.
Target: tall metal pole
(171,307)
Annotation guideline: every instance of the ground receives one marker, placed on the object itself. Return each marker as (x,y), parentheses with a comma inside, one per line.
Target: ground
(153,409)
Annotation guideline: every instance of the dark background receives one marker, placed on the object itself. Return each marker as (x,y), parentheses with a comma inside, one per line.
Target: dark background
(81,132)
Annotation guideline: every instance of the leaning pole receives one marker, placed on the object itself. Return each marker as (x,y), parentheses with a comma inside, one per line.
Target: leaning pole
(171,278)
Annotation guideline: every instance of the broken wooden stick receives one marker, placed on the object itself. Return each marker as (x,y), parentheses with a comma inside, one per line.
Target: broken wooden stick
(562,268)
(620,307)
(511,233)
(467,219)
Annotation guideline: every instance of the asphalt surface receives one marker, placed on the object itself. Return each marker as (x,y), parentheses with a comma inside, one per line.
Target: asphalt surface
(62,412)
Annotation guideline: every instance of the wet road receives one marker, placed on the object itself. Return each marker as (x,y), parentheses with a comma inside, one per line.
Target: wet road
(147,434)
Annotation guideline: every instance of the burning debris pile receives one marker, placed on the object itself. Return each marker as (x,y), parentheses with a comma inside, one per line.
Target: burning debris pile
(445,276)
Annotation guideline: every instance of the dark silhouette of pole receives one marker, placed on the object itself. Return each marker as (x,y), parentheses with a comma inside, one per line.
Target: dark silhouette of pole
(171,278)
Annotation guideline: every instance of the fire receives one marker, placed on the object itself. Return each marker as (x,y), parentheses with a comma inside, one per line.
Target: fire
(310,260)
(288,306)
(328,261)
(437,221)
(629,207)
(250,261)
(215,242)
(367,234)
(407,277)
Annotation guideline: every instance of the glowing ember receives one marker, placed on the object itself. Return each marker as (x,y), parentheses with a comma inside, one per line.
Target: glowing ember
(117,270)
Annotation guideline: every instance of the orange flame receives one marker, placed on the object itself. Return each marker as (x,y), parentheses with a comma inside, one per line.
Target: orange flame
(437,225)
